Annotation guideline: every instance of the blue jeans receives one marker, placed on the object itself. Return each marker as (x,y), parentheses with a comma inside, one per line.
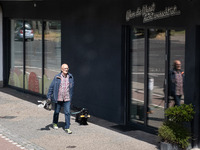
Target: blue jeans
(177,99)
(58,106)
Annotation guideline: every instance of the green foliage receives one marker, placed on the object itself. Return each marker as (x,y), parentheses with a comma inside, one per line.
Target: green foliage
(173,130)
(174,133)
(183,113)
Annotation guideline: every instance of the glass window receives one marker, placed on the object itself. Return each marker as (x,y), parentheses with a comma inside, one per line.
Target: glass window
(31,44)
(177,65)
(136,106)
(33,54)
(156,77)
(52,62)
(16,67)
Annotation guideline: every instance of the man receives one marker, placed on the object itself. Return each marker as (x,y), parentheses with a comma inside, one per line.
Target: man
(176,78)
(60,92)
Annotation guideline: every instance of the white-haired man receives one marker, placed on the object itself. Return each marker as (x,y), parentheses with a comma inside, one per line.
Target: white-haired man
(60,92)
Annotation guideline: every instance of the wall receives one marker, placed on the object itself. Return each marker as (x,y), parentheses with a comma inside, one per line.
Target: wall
(192,81)
(91,45)
(1,47)
(26,10)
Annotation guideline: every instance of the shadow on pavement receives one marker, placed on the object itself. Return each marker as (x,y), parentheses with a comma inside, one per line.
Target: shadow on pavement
(149,136)
(46,128)
(129,130)
(50,126)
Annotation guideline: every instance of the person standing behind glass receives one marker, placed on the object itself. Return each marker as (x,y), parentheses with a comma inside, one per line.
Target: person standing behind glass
(176,82)
(60,92)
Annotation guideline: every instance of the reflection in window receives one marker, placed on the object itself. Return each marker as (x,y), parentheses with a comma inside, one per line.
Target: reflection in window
(156,77)
(137,75)
(52,52)
(177,64)
(32,78)
(16,68)
(156,73)
(33,47)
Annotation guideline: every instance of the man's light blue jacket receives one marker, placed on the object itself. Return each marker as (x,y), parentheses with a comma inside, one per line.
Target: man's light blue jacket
(54,87)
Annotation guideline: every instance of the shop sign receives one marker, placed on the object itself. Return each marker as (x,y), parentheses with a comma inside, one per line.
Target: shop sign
(148,13)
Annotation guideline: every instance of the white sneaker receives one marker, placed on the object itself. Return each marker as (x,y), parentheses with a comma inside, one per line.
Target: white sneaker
(68,131)
(55,126)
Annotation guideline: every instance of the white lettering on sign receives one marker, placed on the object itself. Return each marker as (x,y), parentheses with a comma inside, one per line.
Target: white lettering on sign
(148,13)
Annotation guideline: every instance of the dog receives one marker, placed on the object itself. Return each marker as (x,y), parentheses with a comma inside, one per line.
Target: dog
(82,116)
(46,104)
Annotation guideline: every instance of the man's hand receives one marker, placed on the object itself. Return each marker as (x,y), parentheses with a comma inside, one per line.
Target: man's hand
(48,101)
(48,104)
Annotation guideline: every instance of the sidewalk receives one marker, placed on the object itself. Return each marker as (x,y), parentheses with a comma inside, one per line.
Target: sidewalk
(29,126)
(7,144)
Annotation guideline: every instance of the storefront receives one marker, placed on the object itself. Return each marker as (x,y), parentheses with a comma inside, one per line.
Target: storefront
(120,53)
(160,33)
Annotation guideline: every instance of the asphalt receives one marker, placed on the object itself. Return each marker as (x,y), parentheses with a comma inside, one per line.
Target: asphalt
(29,126)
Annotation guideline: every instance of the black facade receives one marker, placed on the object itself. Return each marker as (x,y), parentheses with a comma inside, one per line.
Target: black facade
(95,44)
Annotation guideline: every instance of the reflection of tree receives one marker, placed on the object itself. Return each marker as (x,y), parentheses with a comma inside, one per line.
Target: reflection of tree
(34,25)
(47,28)
(39,27)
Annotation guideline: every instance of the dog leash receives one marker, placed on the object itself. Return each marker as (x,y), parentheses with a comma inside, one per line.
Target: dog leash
(74,113)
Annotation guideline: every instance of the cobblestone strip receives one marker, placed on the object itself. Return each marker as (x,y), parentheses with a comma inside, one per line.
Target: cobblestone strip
(17,140)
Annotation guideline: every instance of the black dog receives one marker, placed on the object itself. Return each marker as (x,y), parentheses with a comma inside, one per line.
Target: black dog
(82,116)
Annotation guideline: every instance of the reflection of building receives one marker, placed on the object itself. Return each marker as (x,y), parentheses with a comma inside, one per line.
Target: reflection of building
(113,48)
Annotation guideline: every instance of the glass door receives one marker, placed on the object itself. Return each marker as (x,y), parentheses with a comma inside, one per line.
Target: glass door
(156,77)
(137,51)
